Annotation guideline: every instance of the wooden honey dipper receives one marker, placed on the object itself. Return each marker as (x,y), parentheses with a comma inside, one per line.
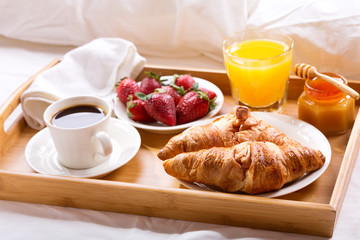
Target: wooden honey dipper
(307,71)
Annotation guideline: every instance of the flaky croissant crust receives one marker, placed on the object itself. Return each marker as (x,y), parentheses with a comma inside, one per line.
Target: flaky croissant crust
(219,133)
(231,129)
(250,167)
(238,152)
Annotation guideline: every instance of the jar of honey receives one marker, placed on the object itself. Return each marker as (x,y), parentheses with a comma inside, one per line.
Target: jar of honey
(325,106)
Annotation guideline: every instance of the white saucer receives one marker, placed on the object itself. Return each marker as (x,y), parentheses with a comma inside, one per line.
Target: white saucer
(41,155)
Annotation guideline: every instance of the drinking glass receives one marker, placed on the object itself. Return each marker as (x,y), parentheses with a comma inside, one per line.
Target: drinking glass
(258,64)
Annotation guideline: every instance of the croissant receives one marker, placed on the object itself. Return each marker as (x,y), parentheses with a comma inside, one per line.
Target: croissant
(219,133)
(250,167)
(231,129)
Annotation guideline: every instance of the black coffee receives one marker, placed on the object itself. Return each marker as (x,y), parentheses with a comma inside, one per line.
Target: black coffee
(78,116)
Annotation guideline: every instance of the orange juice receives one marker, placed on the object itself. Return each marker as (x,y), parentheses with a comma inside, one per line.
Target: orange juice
(258,70)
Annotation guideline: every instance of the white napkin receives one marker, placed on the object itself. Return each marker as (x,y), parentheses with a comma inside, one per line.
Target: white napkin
(92,69)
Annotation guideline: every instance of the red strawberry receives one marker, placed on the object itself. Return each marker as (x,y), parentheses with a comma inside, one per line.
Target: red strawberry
(126,87)
(185,80)
(160,106)
(135,109)
(210,94)
(173,92)
(149,84)
(194,105)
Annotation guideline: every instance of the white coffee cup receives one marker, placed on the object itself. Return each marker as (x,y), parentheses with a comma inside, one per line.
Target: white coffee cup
(80,147)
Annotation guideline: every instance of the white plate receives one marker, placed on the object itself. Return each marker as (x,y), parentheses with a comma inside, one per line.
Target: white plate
(41,155)
(160,128)
(298,130)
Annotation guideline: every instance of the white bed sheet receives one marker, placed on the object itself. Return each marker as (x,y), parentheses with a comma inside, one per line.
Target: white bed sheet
(18,61)
(326,32)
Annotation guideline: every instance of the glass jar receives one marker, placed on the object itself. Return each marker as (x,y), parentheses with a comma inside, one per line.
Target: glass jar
(325,106)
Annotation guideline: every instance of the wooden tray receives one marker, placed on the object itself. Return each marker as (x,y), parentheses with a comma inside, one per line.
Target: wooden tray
(142,187)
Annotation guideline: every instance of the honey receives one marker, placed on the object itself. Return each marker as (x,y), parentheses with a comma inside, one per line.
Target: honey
(325,106)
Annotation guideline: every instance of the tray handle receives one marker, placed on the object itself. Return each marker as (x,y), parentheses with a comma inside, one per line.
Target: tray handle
(11,104)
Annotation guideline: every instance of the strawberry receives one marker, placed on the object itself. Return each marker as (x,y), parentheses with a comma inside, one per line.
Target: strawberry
(135,109)
(210,94)
(192,106)
(185,80)
(126,87)
(174,91)
(160,106)
(149,84)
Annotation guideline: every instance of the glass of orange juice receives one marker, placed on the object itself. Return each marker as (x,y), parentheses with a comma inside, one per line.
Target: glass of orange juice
(258,64)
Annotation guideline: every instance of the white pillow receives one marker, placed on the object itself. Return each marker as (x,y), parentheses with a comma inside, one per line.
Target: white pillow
(326,33)
(156,27)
